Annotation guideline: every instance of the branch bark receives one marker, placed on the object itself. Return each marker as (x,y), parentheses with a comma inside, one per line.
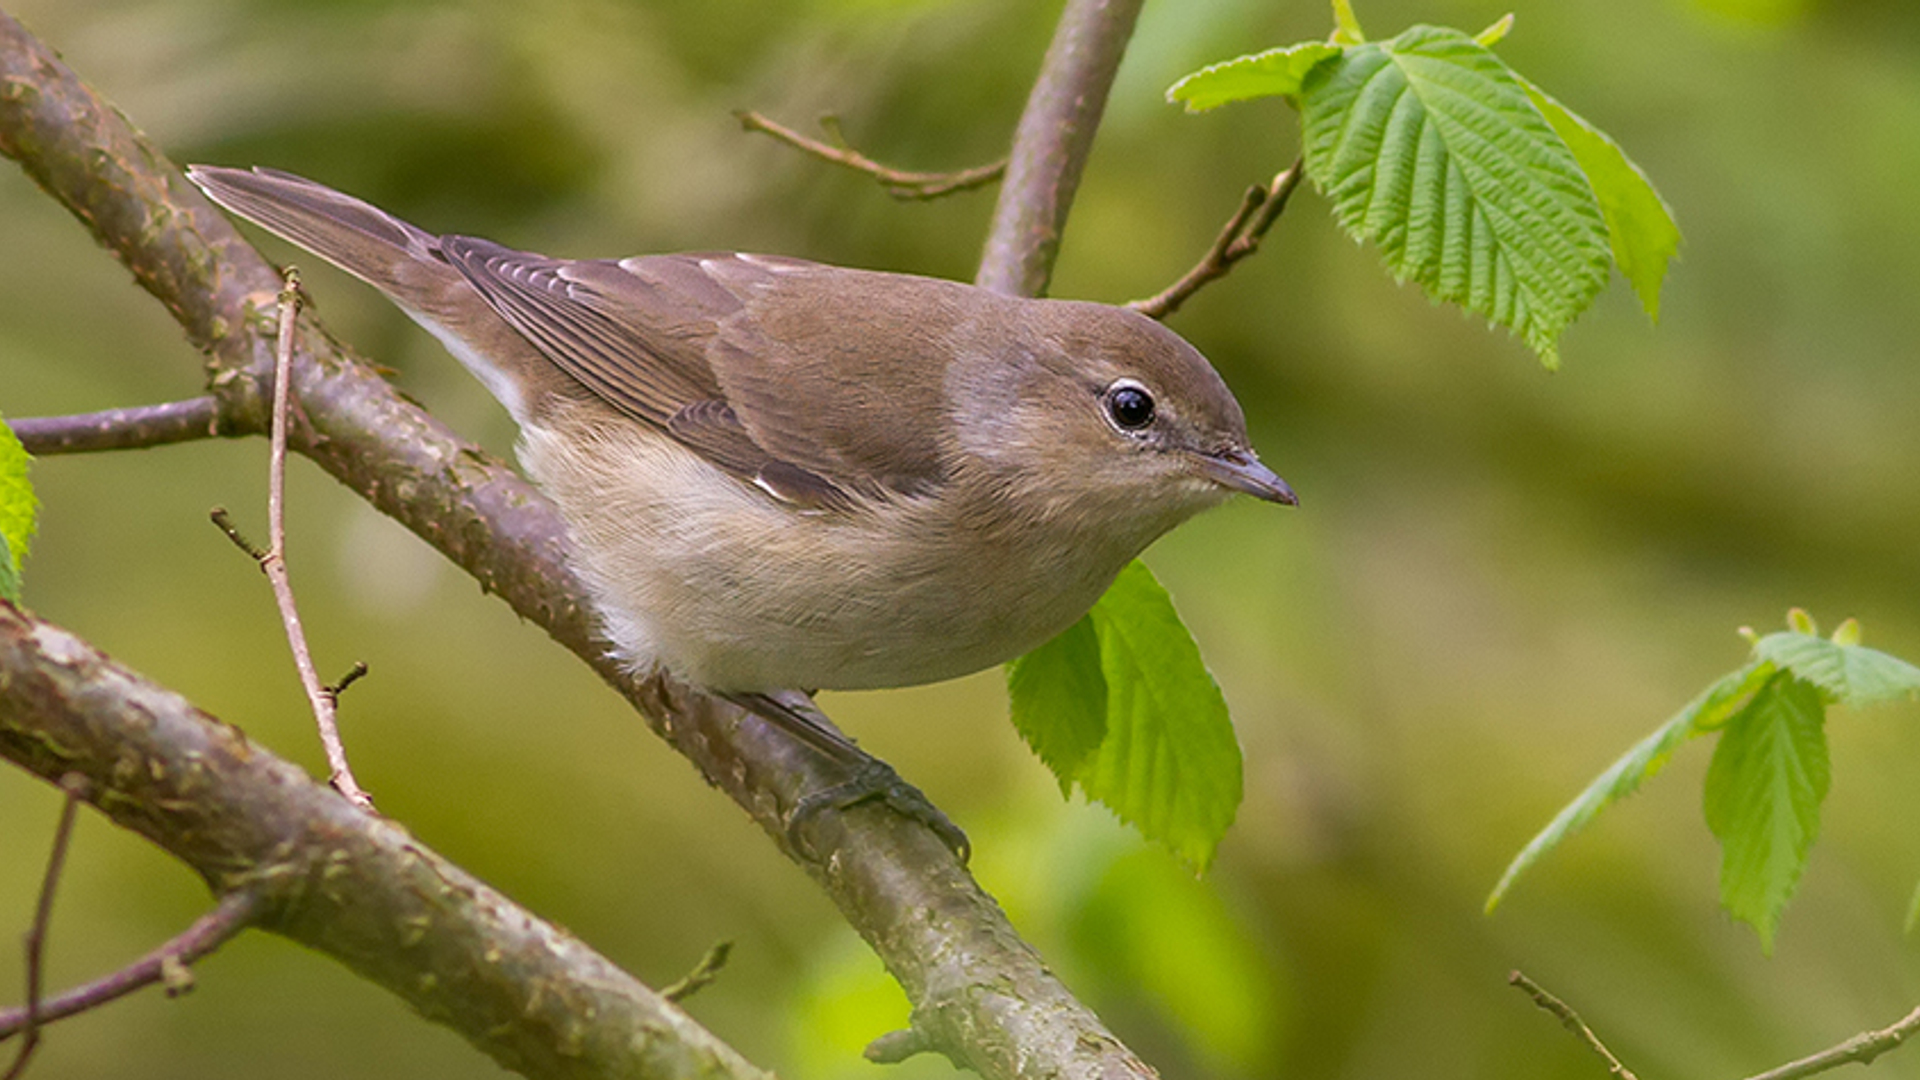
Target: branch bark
(333,876)
(1051,144)
(981,995)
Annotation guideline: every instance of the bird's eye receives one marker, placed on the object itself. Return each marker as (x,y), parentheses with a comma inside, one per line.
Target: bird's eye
(1130,405)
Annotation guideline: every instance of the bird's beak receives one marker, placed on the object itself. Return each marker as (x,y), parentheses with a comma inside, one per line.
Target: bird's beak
(1241,471)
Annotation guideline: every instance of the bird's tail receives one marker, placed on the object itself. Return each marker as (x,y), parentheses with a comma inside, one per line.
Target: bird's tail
(365,241)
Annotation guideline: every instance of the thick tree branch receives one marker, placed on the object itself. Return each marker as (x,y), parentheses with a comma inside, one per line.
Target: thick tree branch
(120,429)
(899,183)
(1051,144)
(981,995)
(332,875)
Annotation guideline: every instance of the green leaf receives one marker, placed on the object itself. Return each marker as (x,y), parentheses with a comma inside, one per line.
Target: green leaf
(1276,72)
(1704,713)
(18,509)
(1169,765)
(1346,25)
(1846,674)
(9,577)
(1058,697)
(1430,147)
(1763,793)
(1496,33)
(1640,226)
(1913,910)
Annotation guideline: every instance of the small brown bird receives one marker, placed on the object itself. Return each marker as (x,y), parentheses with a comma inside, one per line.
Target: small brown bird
(779,474)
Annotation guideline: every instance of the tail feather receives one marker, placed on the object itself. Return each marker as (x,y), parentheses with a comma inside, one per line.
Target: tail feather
(401,261)
(365,241)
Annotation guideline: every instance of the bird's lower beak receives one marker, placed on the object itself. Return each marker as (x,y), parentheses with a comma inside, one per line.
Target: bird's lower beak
(1241,471)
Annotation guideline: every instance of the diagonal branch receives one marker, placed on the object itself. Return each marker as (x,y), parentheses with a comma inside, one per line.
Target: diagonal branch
(1051,144)
(1239,238)
(981,994)
(333,876)
(900,183)
(235,912)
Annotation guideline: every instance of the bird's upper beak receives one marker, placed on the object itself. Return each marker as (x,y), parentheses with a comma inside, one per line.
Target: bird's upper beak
(1241,471)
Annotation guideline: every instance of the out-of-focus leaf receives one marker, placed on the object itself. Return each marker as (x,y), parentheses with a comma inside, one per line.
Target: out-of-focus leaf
(1058,697)
(1763,793)
(1275,72)
(1704,713)
(1169,765)
(1431,148)
(18,511)
(1640,226)
(1847,674)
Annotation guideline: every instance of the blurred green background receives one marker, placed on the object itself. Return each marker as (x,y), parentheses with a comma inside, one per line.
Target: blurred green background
(1498,579)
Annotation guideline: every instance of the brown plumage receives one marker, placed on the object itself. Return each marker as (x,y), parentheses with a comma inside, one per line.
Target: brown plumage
(783,474)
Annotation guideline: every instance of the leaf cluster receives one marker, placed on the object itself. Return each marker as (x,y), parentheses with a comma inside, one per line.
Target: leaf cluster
(1770,771)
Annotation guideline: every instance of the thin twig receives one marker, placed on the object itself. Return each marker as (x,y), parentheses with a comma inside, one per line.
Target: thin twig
(75,787)
(166,964)
(1572,1022)
(358,672)
(703,973)
(1862,1048)
(1239,238)
(274,562)
(899,183)
(120,429)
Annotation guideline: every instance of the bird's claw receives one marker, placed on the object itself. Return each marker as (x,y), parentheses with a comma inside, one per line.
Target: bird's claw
(872,779)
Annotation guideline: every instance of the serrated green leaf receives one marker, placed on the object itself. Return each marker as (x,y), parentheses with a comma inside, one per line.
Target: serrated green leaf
(1704,713)
(1058,698)
(1640,227)
(1274,73)
(1169,765)
(1763,793)
(1429,147)
(18,507)
(9,577)
(1847,674)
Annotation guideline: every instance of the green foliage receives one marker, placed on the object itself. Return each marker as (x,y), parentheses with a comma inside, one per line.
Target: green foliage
(1274,73)
(1122,705)
(1640,226)
(1471,181)
(18,509)
(1763,793)
(1429,147)
(1769,773)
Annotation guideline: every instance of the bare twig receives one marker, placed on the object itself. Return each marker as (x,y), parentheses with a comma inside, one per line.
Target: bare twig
(703,973)
(1862,1048)
(120,429)
(75,787)
(353,675)
(1572,1022)
(274,561)
(899,183)
(1051,144)
(1239,238)
(166,964)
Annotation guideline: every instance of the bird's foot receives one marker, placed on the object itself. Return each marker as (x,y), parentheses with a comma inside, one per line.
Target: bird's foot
(871,779)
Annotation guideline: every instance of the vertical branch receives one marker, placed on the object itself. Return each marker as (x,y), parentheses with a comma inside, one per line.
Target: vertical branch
(273,562)
(75,787)
(1050,146)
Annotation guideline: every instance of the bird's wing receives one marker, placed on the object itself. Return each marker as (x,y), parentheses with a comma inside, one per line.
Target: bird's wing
(713,351)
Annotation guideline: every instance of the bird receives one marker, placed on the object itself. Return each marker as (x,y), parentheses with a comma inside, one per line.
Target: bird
(779,475)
